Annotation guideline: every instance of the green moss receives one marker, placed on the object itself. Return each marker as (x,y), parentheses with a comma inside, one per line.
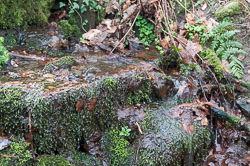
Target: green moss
(117,147)
(53,161)
(12,99)
(62,63)
(140,95)
(21,156)
(81,159)
(73,20)
(65,28)
(210,56)
(15,13)
(230,9)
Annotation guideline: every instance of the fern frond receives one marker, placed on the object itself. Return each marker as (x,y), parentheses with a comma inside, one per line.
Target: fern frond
(220,51)
(214,44)
(236,67)
(232,51)
(231,43)
(228,35)
(225,25)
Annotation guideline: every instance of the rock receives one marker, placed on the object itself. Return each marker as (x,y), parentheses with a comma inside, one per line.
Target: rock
(244,104)
(230,9)
(57,43)
(4,143)
(62,63)
(81,49)
(77,73)
(135,45)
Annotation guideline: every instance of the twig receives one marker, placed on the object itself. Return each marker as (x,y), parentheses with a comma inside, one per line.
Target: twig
(7,156)
(126,33)
(35,58)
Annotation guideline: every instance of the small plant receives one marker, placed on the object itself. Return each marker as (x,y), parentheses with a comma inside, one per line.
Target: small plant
(65,28)
(79,8)
(224,44)
(53,161)
(199,29)
(185,69)
(125,131)
(4,54)
(213,60)
(146,31)
(19,154)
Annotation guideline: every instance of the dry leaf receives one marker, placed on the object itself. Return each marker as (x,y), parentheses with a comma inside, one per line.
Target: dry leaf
(204,6)
(190,19)
(92,104)
(188,128)
(79,105)
(165,42)
(204,121)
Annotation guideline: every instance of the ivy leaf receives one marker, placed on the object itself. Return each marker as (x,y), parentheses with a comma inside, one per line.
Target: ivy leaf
(76,6)
(61,4)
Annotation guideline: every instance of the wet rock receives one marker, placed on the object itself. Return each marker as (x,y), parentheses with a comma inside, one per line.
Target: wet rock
(162,85)
(77,73)
(4,143)
(57,42)
(230,9)
(62,63)
(135,45)
(81,49)
(244,104)
(166,140)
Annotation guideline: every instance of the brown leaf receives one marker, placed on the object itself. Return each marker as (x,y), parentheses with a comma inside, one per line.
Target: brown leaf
(190,19)
(188,128)
(204,121)
(165,42)
(92,104)
(79,105)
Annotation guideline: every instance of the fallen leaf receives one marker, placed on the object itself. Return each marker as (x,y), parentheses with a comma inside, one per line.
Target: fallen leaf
(188,128)
(79,105)
(92,104)
(204,121)
(165,42)
(190,19)
(204,6)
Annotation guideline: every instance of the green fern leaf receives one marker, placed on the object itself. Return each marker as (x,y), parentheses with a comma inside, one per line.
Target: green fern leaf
(232,51)
(231,43)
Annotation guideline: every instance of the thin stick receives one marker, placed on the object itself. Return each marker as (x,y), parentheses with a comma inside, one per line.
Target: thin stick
(126,33)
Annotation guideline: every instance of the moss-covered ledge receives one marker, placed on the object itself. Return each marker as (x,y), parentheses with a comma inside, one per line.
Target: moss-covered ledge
(61,119)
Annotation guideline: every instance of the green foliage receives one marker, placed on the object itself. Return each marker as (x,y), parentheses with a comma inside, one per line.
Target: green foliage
(199,29)
(211,57)
(118,148)
(14,13)
(226,48)
(77,7)
(20,155)
(146,31)
(4,54)
(125,131)
(186,68)
(65,28)
(53,161)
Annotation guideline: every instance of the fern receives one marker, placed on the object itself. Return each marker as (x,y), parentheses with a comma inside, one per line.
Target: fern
(230,52)
(226,48)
